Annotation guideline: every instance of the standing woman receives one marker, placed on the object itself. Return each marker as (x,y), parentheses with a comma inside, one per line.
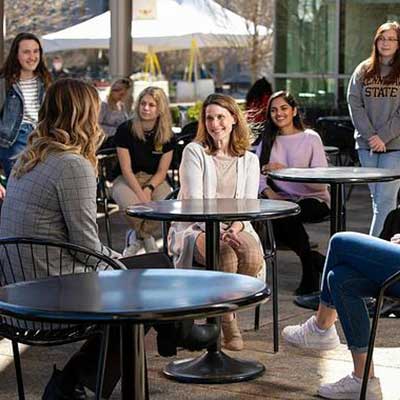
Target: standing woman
(374,103)
(145,146)
(113,111)
(218,165)
(286,143)
(24,78)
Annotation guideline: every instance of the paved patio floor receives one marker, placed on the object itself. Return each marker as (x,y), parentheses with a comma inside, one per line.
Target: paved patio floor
(290,374)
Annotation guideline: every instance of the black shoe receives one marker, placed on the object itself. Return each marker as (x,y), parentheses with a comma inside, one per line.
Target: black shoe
(310,301)
(55,391)
(197,337)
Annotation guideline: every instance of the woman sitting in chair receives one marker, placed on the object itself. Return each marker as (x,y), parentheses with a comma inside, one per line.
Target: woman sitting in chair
(287,143)
(51,194)
(145,147)
(356,267)
(218,165)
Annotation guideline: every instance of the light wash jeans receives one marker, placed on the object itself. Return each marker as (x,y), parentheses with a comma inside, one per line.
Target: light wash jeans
(8,156)
(383,195)
(356,265)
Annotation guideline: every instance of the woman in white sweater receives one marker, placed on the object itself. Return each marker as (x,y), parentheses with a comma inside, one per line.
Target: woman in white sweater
(218,165)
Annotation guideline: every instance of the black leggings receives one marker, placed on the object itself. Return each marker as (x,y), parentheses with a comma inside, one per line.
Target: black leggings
(291,232)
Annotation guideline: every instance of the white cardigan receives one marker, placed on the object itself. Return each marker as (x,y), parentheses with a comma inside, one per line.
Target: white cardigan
(198,179)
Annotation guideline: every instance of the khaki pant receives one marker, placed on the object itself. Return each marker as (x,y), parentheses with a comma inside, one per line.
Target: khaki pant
(124,196)
(246,259)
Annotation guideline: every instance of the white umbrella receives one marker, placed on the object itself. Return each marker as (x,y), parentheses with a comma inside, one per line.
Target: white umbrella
(176,24)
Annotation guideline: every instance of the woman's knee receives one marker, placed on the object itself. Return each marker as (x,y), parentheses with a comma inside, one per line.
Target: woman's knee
(228,259)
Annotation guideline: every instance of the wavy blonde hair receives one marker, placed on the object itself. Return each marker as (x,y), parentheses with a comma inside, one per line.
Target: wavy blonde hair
(239,140)
(68,122)
(164,121)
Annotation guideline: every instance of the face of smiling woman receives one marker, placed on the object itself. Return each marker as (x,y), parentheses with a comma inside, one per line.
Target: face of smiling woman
(219,124)
(282,115)
(28,57)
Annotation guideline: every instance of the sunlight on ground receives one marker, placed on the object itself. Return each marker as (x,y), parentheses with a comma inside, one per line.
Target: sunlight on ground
(336,364)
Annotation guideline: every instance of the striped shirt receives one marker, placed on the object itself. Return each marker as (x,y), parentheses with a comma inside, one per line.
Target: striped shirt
(30,91)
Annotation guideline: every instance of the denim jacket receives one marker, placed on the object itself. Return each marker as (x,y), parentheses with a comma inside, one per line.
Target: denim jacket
(12,112)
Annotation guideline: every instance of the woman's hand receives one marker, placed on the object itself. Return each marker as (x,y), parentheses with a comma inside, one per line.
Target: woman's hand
(376,144)
(231,237)
(2,192)
(271,166)
(395,239)
(146,197)
(268,193)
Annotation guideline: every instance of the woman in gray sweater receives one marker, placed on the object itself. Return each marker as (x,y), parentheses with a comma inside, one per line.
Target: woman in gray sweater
(374,104)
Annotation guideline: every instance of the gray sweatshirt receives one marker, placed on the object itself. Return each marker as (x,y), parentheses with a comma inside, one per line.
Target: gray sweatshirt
(374,109)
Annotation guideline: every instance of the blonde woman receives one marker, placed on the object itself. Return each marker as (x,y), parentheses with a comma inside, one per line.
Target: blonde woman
(51,194)
(113,112)
(144,146)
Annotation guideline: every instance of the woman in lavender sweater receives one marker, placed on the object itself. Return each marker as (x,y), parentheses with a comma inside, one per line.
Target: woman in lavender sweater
(286,143)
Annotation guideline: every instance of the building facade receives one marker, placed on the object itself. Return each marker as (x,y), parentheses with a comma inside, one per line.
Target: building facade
(318,43)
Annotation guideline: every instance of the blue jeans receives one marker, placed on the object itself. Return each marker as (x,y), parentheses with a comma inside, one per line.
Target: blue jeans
(356,265)
(383,195)
(9,156)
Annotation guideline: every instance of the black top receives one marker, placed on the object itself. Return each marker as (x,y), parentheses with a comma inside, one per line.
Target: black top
(336,174)
(213,210)
(142,295)
(145,155)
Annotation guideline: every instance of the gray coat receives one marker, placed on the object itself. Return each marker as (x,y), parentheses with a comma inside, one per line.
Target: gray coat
(55,200)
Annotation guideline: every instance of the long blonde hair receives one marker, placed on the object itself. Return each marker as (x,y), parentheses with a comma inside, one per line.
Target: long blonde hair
(68,122)
(164,121)
(239,140)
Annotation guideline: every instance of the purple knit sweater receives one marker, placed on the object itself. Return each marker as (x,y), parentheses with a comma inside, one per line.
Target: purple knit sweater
(300,150)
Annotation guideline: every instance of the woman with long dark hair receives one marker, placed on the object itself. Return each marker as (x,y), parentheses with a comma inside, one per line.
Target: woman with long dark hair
(24,78)
(374,103)
(287,143)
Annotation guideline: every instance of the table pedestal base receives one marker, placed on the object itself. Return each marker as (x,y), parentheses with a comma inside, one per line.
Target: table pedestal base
(213,367)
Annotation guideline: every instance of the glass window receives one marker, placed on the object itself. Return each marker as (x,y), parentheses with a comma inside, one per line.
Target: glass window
(305,35)
(361,19)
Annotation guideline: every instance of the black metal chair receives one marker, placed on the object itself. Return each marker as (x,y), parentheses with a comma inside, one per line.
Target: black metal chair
(395,278)
(266,233)
(182,139)
(108,160)
(338,131)
(23,259)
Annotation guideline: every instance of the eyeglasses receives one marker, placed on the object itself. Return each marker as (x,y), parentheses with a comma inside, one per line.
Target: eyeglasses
(382,39)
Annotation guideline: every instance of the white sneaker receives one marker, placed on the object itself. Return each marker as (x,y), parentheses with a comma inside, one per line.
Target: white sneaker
(150,245)
(308,336)
(349,387)
(133,248)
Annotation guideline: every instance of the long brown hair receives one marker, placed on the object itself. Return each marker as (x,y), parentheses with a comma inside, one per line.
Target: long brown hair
(239,140)
(11,68)
(164,121)
(68,122)
(372,67)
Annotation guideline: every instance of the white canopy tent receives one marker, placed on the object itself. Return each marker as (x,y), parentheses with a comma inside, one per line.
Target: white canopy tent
(176,24)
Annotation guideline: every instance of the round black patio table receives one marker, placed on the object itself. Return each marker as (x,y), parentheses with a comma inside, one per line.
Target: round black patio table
(336,177)
(131,298)
(215,366)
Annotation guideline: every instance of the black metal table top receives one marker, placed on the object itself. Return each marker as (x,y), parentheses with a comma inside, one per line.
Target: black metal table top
(140,295)
(213,209)
(336,174)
